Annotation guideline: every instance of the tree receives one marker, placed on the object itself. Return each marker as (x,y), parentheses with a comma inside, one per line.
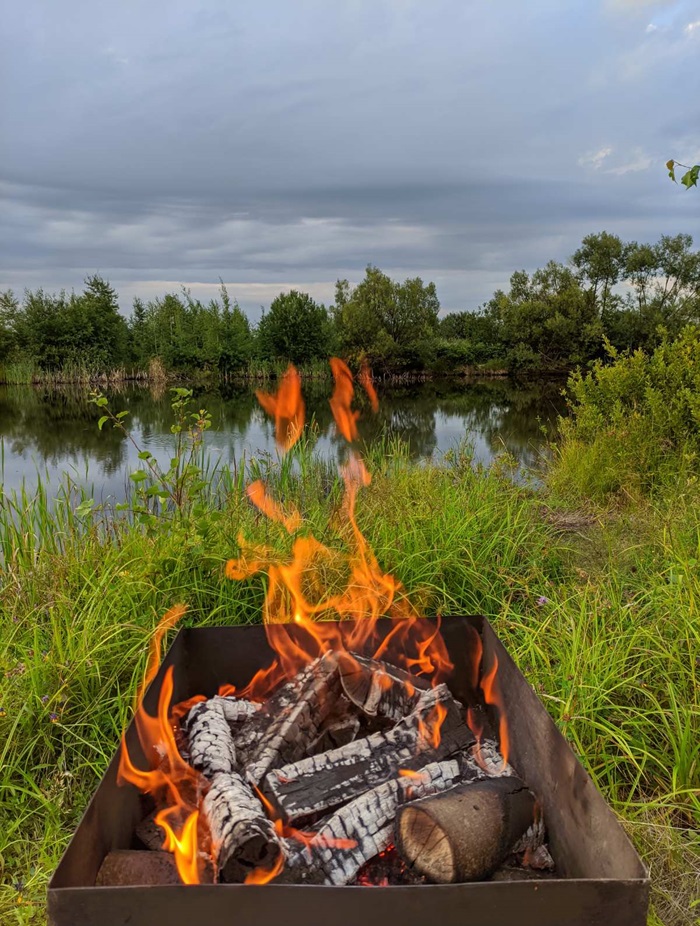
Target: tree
(600,262)
(546,320)
(296,329)
(9,307)
(385,320)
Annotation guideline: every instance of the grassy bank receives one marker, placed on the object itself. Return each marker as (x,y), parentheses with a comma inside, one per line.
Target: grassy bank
(600,611)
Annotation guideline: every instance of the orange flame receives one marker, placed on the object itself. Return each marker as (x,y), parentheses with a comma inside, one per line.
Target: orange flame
(492,695)
(287,408)
(257,493)
(169,619)
(429,728)
(341,400)
(365,378)
(170,780)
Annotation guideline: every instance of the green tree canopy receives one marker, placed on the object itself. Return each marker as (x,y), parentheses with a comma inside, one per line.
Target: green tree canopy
(296,329)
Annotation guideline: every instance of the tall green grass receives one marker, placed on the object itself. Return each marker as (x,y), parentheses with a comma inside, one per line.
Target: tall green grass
(603,623)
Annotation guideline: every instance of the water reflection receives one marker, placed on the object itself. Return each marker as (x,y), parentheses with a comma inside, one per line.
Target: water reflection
(56,430)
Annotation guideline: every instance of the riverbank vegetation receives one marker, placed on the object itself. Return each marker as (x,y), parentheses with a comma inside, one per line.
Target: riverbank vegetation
(592,584)
(561,316)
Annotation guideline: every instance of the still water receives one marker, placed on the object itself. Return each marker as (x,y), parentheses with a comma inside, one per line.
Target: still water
(50,431)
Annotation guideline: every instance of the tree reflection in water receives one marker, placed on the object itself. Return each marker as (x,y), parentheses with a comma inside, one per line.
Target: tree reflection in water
(56,429)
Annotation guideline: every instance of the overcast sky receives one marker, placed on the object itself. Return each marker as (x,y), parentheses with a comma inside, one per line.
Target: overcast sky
(279,143)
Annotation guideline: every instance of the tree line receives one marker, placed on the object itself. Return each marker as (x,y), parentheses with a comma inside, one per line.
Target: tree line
(628,294)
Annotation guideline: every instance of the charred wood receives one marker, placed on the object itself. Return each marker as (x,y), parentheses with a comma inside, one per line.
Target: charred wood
(357,832)
(277,705)
(291,734)
(241,832)
(377,688)
(465,833)
(322,782)
(210,743)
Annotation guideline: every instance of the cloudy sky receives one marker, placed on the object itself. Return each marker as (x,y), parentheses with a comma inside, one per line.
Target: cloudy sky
(278,143)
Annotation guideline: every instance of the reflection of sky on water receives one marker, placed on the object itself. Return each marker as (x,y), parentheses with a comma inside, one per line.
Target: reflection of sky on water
(55,432)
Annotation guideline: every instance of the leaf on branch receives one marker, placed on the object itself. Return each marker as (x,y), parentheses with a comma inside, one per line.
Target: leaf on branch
(690,178)
(671,170)
(101,423)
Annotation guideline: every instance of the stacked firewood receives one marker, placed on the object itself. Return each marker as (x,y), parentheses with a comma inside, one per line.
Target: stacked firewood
(343,761)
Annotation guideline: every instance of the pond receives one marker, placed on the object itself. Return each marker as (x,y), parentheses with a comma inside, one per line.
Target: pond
(52,431)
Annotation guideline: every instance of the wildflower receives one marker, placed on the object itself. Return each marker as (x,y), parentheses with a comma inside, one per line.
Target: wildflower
(3,712)
(44,699)
(53,717)
(541,601)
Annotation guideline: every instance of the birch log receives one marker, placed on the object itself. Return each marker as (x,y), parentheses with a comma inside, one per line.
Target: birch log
(277,705)
(464,833)
(242,835)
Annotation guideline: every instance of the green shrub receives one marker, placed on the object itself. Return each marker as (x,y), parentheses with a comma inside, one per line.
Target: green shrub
(635,422)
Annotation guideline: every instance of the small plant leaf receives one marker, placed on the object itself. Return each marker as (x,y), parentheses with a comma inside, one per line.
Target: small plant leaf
(103,420)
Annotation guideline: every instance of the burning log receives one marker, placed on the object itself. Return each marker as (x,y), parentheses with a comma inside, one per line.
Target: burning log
(379,689)
(321,782)
(295,727)
(211,749)
(236,710)
(340,728)
(465,833)
(244,836)
(284,699)
(363,828)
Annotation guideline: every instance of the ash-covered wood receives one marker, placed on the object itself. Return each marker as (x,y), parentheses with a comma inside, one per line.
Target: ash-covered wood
(340,727)
(357,832)
(150,833)
(290,735)
(490,759)
(322,782)
(242,835)
(236,710)
(210,744)
(465,833)
(379,689)
(257,726)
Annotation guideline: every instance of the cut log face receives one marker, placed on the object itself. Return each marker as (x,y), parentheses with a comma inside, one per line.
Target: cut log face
(319,783)
(379,689)
(243,836)
(464,834)
(364,827)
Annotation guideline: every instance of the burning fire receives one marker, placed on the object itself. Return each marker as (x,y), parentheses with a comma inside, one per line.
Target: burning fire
(174,785)
(488,684)
(342,618)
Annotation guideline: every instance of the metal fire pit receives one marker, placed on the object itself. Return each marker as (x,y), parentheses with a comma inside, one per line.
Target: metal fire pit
(601,879)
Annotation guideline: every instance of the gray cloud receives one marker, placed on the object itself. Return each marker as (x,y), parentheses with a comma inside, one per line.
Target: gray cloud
(283,144)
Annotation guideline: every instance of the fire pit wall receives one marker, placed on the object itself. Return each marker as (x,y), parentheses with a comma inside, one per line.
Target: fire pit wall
(601,879)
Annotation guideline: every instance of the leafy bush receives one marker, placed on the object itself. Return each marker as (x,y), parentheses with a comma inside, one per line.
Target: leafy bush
(635,422)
